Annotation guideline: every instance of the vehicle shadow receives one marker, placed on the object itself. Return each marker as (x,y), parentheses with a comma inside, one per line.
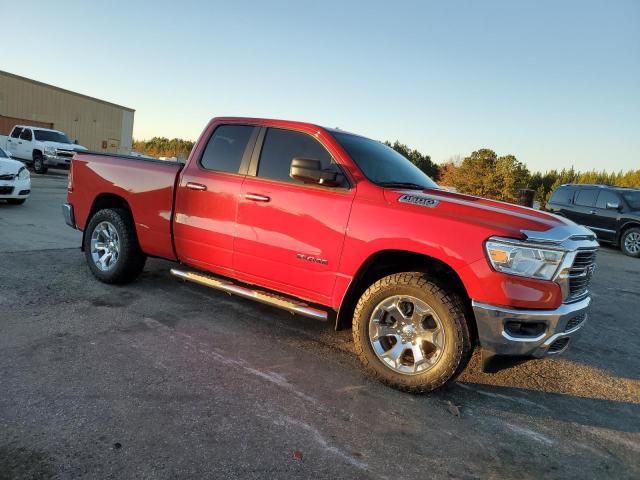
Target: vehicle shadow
(619,416)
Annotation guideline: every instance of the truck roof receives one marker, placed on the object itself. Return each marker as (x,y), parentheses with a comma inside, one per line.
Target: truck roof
(279,122)
(38,128)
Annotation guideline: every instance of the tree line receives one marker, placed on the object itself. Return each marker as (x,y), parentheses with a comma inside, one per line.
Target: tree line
(485,174)
(164,147)
(482,173)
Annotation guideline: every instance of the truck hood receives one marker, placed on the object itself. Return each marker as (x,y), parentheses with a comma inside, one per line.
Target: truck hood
(503,219)
(10,166)
(65,146)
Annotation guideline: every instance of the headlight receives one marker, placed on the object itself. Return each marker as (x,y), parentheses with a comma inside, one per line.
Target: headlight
(526,261)
(23,174)
(50,150)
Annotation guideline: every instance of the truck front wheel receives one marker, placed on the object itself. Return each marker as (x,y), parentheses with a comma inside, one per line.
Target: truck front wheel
(111,246)
(38,164)
(410,333)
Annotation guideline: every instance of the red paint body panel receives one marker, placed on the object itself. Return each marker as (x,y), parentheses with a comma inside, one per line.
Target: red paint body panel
(205,221)
(258,242)
(297,220)
(147,187)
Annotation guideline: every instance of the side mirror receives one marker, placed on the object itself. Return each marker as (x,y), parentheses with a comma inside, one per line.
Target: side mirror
(310,171)
(613,206)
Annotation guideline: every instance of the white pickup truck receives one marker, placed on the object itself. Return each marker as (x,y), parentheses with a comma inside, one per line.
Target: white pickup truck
(42,147)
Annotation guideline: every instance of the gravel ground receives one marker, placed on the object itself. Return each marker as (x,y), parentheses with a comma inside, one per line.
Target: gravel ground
(163,379)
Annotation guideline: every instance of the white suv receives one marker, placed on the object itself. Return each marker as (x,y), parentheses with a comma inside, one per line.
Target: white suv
(41,146)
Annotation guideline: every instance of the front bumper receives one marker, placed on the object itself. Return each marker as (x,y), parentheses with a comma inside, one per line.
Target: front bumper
(529,333)
(56,160)
(67,213)
(16,189)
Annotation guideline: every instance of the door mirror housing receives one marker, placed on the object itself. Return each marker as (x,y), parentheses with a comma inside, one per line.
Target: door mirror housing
(310,171)
(613,206)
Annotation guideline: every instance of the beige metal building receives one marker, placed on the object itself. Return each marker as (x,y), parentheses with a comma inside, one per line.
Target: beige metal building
(96,124)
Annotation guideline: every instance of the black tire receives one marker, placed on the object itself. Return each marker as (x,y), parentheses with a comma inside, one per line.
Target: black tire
(629,242)
(38,164)
(455,353)
(130,259)
(16,201)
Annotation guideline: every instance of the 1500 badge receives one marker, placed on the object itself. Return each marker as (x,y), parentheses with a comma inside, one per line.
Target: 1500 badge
(309,258)
(419,200)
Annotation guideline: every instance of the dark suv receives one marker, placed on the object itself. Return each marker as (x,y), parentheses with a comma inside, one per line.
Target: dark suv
(613,213)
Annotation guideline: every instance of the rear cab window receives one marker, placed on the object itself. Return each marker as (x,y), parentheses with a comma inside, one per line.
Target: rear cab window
(26,135)
(587,197)
(226,148)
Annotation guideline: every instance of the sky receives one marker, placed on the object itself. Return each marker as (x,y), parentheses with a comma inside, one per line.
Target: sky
(555,83)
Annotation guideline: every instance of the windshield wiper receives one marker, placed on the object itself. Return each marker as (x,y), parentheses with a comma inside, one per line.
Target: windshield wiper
(412,186)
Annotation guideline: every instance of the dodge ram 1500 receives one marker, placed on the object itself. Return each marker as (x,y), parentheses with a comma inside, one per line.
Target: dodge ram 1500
(332,225)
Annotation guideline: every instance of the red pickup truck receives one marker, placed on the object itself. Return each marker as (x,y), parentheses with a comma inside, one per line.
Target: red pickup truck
(329,224)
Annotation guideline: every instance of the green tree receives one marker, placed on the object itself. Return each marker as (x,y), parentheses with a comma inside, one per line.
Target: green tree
(423,162)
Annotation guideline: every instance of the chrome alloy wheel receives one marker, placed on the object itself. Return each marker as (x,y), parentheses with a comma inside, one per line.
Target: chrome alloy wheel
(632,242)
(406,334)
(105,246)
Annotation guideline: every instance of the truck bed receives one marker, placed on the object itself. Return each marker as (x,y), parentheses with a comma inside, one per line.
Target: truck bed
(147,186)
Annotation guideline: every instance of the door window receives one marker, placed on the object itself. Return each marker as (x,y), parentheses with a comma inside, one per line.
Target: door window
(605,197)
(562,196)
(281,146)
(226,147)
(587,198)
(26,135)
(16,132)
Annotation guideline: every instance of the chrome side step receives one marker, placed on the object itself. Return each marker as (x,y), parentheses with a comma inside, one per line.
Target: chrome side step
(258,295)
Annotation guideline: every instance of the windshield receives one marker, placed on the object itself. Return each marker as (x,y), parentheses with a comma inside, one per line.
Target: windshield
(46,136)
(382,164)
(632,198)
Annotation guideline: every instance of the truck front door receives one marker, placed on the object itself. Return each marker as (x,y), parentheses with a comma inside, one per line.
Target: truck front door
(290,235)
(207,198)
(25,145)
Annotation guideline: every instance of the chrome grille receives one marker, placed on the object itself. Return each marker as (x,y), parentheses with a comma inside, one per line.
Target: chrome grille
(581,272)
(6,190)
(7,176)
(66,153)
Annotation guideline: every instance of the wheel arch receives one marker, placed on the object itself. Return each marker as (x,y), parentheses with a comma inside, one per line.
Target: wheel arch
(36,151)
(626,226)
(388,262)
(102,201)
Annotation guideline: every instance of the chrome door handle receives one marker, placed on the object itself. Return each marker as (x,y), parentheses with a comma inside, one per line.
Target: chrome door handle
(196,186)
(256,198)
(592,212)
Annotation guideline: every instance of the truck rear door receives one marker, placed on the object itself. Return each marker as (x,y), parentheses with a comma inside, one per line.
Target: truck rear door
(207,198)
(290,235)
(584,210)
(13,142)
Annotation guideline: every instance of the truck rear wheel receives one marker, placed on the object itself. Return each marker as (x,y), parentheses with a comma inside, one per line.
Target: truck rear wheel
(410,333)
(111,247)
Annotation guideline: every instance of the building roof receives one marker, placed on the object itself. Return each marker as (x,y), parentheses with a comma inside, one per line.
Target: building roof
(42,84)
